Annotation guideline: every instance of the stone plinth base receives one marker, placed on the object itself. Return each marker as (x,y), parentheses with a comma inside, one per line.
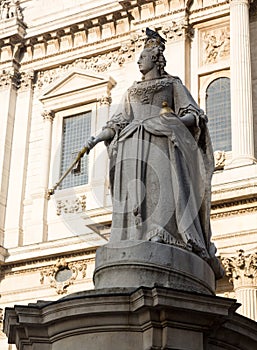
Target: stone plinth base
(124,319)
(143,263)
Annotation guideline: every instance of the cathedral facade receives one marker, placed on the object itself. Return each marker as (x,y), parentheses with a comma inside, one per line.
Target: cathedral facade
(63,70)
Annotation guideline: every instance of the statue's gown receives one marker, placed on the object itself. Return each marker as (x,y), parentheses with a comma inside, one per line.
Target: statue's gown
(160,171)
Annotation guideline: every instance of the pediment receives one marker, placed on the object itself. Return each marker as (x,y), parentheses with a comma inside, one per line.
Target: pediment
(75,80)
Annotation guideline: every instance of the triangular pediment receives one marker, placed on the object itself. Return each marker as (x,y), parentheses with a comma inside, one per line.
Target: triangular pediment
(75,80)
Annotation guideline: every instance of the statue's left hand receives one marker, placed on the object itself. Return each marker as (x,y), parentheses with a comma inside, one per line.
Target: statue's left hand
(188,119)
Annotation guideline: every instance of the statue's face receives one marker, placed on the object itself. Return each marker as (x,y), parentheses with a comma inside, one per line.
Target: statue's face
(145,62)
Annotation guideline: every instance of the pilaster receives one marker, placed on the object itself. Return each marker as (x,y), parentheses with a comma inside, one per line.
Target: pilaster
(38,228)
(19,158)
(179,34)
(9,81)
(241,84)
(242,271)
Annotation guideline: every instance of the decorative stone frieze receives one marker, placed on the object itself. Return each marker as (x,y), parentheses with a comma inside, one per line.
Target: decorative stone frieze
(241,269)
(99,64)
(9,77)
(66,206)
(215,44)
(178,30)
(63,274)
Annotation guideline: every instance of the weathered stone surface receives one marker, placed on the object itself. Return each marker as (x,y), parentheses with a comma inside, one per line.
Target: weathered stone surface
(143,319)
(143,263)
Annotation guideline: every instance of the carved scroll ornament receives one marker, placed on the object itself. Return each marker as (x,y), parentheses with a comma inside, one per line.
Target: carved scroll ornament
(63,274)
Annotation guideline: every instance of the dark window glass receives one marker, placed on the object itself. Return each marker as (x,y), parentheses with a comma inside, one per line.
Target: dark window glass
(76,130)
(218,110)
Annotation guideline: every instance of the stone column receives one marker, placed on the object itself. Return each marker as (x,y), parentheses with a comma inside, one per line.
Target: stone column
(242,271)
(241,84)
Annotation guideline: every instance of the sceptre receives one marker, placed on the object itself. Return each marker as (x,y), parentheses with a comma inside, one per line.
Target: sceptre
(80,154)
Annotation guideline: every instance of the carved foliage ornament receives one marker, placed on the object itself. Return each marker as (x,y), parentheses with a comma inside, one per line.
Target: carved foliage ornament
(48,115)
(20,80)
(241,269)
(63,274)
(77,205)
(98,64)
(9,77)
(178,30)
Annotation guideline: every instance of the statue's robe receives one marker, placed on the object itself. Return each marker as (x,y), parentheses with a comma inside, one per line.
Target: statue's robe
(160,170)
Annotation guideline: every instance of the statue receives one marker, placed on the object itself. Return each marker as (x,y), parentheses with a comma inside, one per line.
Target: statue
(161,161)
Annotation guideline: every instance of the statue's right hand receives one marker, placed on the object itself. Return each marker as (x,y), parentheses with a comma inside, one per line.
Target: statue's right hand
(91,142)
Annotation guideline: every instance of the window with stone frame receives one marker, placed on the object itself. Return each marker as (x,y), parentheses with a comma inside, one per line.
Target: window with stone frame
(76,130)
(218,110)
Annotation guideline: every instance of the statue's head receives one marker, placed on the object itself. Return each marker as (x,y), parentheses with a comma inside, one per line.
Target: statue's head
(152,55)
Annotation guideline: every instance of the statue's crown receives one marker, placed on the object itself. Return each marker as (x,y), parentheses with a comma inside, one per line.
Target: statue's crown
(153,39)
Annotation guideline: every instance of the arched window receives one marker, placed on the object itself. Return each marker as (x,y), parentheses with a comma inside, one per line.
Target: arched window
(218,110)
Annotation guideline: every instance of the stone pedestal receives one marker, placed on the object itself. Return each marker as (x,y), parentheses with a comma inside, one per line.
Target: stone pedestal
(127,319)
(145,263)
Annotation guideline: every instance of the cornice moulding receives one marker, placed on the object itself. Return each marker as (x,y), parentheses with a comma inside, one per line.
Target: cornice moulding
(73,19)
(69,246)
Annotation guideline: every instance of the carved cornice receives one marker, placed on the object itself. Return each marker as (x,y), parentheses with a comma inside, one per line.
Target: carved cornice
(210,7)
(77,205)
(233,204)
(252,186)
(248,205)
(63,274)
(31,266)
(241,269)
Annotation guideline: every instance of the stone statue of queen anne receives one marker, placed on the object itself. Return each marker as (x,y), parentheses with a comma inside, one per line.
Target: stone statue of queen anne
(161,161)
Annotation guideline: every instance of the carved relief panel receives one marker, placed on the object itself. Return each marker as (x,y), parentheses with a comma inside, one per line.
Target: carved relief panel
(214,44)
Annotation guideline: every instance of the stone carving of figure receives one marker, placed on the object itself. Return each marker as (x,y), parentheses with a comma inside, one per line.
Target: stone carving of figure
(13,9)
(4,9)
(10,9)
(161,161)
